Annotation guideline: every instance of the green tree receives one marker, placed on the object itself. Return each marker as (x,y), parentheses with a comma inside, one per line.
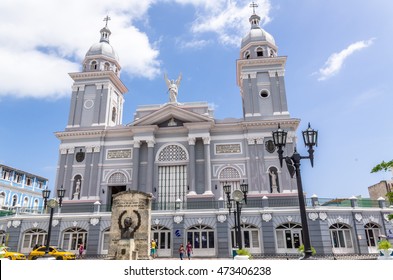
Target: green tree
(385,166)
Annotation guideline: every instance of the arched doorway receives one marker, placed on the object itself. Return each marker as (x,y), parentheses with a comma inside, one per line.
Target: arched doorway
(289,238)
(162,235)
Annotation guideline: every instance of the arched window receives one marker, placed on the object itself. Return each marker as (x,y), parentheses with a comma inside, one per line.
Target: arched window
(341,238)
(229,176)
(372,233)
(113,114)
(31,238)
(162,235)
(73,237)
(107,66)
(247,55)
(259,51)
(2,199)
(289,237)
(117,178)
(250,237)
(35,205)
(105,241)
(201,237)
(14,200)
(93,65)
(25,202)
(3,237)
(172,176)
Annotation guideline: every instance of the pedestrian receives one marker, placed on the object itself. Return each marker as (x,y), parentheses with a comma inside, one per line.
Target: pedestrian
(181,251)
(81,249)
(189,250)
(153,248)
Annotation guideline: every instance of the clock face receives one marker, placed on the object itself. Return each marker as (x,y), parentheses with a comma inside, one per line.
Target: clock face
(238,195)
(52,203)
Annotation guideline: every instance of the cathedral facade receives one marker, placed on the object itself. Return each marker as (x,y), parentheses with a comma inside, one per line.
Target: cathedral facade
(183,156)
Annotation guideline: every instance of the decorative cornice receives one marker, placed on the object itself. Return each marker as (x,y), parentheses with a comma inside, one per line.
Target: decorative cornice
(79,133)
(82,76)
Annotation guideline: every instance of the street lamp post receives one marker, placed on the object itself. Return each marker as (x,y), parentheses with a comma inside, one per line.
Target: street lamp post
(238,196)
(52,204)
(310,137)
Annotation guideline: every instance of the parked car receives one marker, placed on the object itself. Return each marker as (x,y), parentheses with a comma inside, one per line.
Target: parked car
(11,255)
(57,253)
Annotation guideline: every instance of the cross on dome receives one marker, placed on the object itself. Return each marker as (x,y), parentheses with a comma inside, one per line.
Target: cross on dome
(253,6)
(107,18)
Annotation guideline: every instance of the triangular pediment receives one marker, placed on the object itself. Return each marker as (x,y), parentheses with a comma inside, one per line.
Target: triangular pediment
(171,115)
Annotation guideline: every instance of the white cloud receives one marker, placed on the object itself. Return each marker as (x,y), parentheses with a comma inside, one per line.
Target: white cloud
(336,60)
(226,19)
(45,39)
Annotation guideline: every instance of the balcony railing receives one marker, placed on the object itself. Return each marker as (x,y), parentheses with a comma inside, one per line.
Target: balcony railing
(271,203)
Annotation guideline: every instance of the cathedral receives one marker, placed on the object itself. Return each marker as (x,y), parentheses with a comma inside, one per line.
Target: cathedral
(181,155)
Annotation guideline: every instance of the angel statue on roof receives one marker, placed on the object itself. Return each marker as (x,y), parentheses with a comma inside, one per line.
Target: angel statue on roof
(173,87)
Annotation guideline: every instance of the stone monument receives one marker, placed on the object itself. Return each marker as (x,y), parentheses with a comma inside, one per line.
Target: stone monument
(130,226)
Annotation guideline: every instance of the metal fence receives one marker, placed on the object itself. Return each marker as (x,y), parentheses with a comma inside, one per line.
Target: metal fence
(252,203)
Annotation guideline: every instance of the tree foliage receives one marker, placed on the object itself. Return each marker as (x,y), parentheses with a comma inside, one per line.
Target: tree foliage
(383,166)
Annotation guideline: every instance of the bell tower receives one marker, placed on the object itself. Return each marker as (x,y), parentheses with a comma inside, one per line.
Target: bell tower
(97,93)
(260,75)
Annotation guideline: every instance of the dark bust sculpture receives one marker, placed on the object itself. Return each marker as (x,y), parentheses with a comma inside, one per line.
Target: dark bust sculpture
(127,231)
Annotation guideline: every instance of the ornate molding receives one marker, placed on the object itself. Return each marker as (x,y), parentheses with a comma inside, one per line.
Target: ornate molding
(221,218)
(137,143)
(178,219)
(16,223)
(267,217)
(206,140)
(358,217)
(191,140)
(94,221)
(150,143)
(55,223)
(323,216)
(313,216)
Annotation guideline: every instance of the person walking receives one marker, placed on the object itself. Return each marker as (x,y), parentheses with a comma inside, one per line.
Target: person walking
(189,250)
(81,250)
(181,251)
(153,248)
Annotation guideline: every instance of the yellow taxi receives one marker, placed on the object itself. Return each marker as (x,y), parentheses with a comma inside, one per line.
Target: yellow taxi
(11,255)
(57,253)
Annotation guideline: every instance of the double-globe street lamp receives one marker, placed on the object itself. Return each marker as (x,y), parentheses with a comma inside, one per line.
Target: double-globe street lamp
(238,196)
(52,204)
(310,137)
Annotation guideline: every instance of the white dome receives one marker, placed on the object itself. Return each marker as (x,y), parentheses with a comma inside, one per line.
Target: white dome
(102,48)
(258,35)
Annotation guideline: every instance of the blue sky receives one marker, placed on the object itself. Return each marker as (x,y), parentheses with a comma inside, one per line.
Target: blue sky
(338,73)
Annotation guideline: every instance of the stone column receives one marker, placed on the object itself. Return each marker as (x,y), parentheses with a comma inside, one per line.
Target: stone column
(191,166)
(208,187)
(67,172)
(150,161)
(135,166)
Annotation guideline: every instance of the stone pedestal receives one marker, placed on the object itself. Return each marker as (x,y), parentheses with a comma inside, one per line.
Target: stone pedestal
(130,226)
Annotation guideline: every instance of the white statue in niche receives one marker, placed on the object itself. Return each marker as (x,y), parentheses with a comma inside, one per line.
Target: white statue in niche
(77,189)
(173,88)
(273,177)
